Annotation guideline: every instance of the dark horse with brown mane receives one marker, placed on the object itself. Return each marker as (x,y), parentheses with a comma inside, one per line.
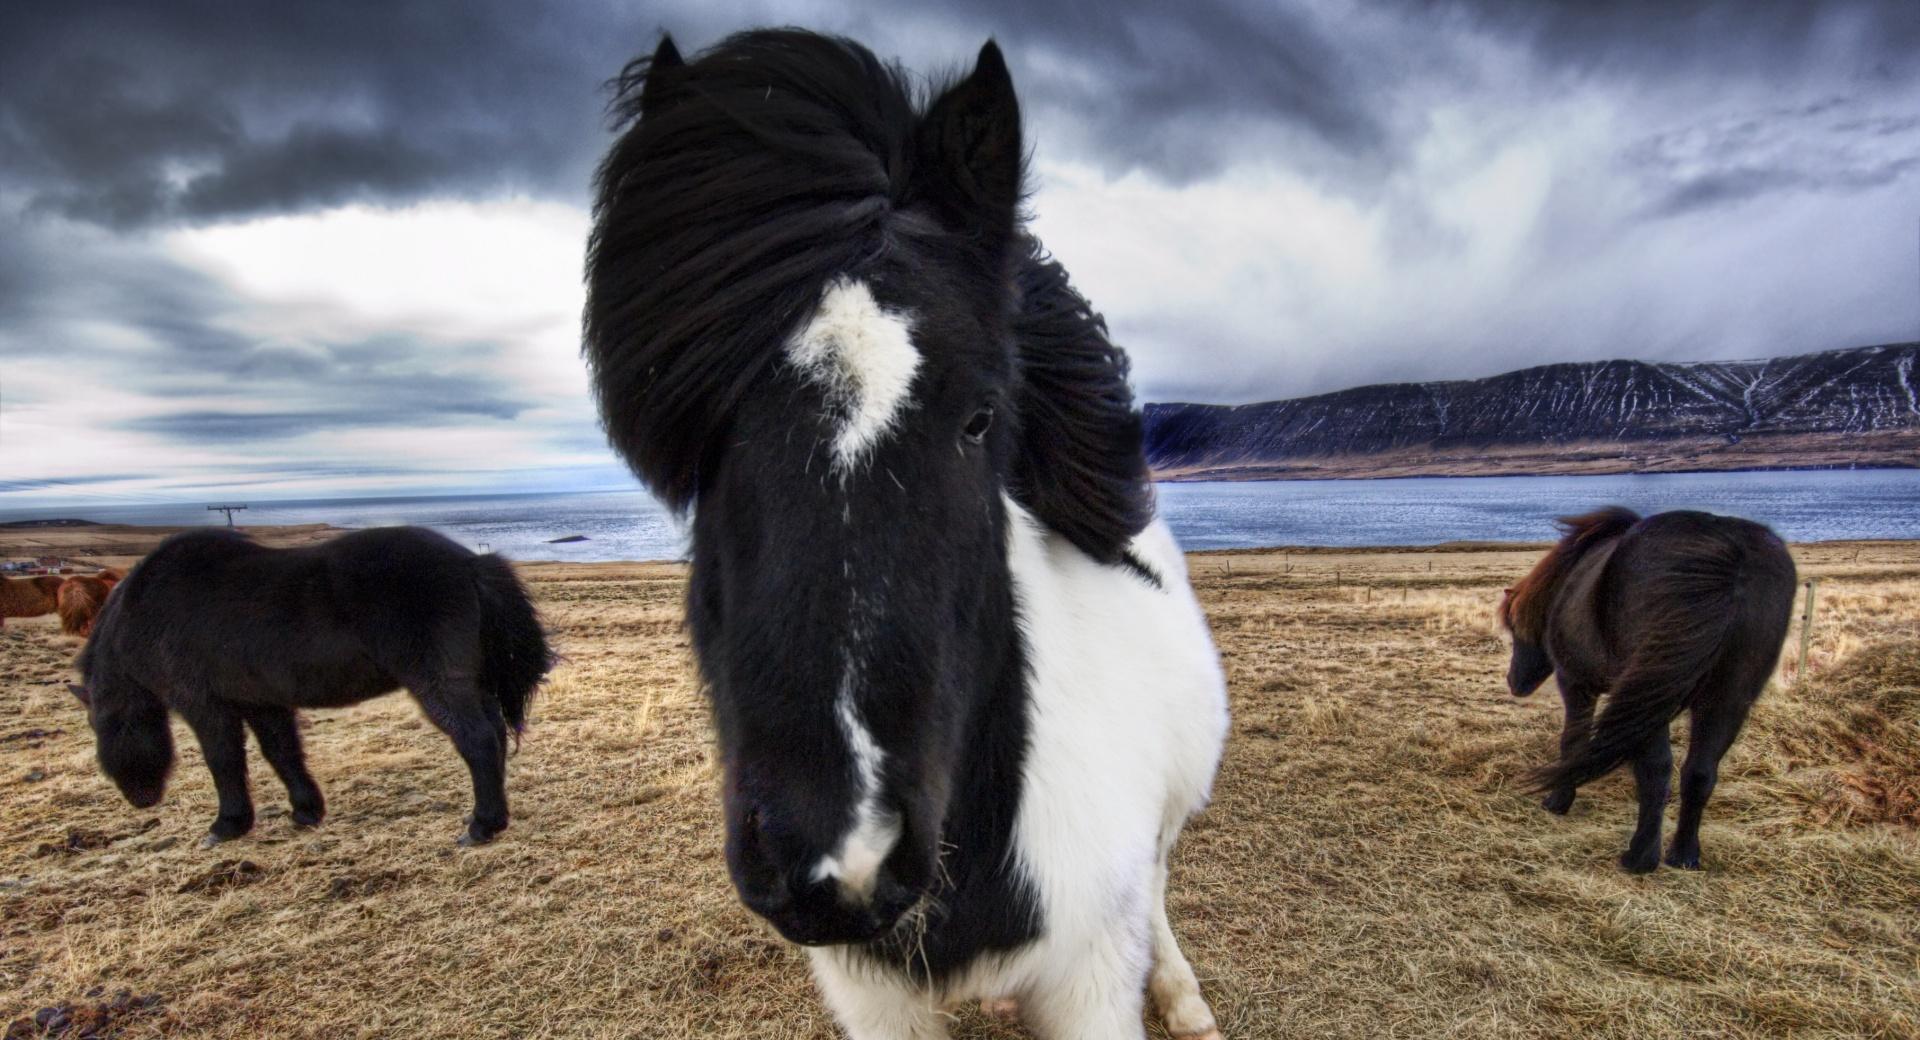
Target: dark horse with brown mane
(1680,611)
(234,636)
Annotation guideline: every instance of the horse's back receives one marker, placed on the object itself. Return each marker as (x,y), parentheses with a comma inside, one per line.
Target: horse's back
(1684,552)
(336,623)
(1687,569)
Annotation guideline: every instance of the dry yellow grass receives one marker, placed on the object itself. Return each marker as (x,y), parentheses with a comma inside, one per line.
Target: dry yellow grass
(1368,868)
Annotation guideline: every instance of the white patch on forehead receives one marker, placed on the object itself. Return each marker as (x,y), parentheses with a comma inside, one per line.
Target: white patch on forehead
(863,357)
(856,864)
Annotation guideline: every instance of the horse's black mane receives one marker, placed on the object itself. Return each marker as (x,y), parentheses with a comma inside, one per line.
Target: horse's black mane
(1082,464)
(742,183)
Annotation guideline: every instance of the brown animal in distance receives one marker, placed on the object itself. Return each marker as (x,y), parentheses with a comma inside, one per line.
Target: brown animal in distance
(1644,619)
(29,597)
(81,599)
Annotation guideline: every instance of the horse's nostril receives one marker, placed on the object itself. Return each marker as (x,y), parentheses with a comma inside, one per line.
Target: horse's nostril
(767,896)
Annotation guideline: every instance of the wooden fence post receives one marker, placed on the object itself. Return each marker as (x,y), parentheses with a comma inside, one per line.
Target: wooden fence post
(1806,626)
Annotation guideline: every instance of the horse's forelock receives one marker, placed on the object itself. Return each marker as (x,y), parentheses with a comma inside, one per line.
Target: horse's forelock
(744,183)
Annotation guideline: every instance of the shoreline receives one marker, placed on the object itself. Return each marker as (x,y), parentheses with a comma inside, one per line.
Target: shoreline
(122,544)
(1326,470)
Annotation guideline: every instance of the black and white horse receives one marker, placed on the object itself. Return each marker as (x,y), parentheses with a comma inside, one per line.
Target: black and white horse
(965,697)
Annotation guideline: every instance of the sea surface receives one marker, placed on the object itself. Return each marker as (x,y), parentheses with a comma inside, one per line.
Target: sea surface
(629,525)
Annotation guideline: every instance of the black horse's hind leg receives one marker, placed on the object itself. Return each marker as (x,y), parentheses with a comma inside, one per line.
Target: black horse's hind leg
(1579,703)
(1652,774)
(1713,734)
(279,735)
(479,733)
(223,743)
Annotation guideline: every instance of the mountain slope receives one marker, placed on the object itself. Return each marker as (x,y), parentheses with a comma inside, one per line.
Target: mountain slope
(1837,408)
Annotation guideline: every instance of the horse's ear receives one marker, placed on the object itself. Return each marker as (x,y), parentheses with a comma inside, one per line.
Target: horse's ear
(970,162)
(655,92)
(81,694)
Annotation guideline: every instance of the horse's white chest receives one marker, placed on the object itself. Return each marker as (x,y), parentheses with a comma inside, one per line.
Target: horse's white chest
(1127,718)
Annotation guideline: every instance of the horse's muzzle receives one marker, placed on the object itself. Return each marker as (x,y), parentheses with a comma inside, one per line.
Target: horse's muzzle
(816,913)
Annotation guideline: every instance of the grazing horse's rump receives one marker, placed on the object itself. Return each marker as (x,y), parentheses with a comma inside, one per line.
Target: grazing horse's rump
(29,597)
(233,636)
(965,697)
(82,597)
(1644,619)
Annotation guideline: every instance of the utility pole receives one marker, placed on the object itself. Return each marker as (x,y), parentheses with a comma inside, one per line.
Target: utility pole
(229,510)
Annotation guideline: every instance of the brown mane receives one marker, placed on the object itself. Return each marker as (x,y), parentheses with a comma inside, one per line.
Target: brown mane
(1523,610)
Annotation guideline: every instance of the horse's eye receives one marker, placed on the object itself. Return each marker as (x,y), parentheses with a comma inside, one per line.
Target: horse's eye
(976,428)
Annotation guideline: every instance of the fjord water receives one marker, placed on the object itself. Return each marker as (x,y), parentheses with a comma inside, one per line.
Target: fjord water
(1802,505)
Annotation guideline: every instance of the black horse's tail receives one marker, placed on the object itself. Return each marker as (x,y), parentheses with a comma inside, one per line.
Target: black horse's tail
(514,652)
(1681,651)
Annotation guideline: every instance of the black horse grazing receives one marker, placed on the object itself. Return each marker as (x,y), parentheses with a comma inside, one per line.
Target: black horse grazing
(1681,611)
(965,697)
(234,636)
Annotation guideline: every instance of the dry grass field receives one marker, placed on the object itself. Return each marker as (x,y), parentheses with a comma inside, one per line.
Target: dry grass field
(1368,867)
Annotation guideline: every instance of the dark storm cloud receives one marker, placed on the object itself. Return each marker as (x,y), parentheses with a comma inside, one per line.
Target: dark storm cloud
(1174,87)
(1825,146)
(131,114)
(1666,38)
(78,481)
(128,114)
(230,426)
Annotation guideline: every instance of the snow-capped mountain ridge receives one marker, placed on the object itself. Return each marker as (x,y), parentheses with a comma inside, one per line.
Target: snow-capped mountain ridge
(1830,396)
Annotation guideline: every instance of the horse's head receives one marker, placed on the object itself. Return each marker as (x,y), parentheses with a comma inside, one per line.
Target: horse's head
(803,324)
(1529,665)
(132,740)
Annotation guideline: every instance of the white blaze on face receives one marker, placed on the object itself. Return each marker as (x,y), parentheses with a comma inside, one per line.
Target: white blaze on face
(856,864)
(863,357)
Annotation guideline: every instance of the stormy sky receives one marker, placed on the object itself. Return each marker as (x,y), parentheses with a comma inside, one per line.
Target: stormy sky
(291,250)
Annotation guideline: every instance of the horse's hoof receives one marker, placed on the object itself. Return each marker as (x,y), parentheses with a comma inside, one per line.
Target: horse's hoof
(211,840)
(1187,1015)
(1684,862)
(307,820)
(1558,803)
(1005,1009)
(1639,864)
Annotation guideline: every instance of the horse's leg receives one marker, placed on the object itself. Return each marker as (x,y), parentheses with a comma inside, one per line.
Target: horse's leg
(1713,734)
(873,1005)
(1579,701)
(279,735)
(223,743)
(473,722)
(1652,773)
(1175,989)
(1100,1000)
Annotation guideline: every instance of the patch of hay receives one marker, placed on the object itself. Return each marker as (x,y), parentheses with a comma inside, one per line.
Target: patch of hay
(1856,729)
(1368,867)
